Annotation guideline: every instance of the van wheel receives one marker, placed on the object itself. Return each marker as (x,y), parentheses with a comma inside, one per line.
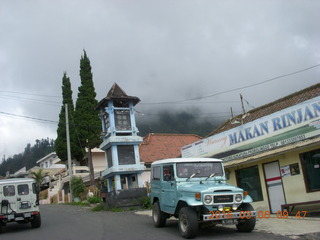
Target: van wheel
(246,225)
(36,221)
(159,217)
(188,222)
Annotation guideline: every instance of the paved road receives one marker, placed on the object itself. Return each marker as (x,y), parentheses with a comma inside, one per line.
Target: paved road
(65,222)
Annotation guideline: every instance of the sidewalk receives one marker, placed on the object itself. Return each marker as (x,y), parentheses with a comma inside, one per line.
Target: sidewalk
(293,226)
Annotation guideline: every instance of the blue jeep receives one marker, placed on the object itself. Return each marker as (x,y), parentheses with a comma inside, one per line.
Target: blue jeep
(194,190)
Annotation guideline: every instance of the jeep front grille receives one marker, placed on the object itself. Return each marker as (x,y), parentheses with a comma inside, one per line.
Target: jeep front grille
(223,199)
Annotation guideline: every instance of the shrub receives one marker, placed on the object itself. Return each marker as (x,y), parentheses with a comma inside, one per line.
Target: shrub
(146,203)
(94,199)
(77,186)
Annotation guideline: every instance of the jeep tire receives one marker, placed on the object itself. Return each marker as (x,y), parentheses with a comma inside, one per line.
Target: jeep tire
(246,225)
(188,222)
(159,217)
(36,221)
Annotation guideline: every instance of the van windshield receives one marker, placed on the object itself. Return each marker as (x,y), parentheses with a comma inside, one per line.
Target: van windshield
(185,170)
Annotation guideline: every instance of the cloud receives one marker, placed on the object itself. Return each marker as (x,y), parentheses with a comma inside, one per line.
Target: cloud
(157,50)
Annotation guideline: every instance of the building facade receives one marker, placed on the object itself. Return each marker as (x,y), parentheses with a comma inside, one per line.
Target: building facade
(272,151)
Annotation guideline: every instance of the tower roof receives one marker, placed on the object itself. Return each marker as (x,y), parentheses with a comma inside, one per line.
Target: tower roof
(117,94)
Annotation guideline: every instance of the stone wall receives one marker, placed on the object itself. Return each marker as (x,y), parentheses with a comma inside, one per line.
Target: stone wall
(126,198)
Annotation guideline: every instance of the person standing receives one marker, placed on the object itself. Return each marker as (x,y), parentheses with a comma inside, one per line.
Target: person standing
(103,192)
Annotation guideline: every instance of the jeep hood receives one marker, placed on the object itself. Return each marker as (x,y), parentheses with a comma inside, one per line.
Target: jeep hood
(207,187)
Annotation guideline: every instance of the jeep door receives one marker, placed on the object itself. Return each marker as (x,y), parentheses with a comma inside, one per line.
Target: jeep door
(168,189)
(10,194)
(24,192)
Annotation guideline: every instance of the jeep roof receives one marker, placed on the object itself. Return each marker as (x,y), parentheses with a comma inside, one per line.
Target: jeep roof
(183,160)
(16,180)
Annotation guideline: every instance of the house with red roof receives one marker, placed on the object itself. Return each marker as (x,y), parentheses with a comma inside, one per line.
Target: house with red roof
(157,146)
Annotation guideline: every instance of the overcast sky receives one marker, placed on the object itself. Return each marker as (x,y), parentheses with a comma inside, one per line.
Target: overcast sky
(157,50)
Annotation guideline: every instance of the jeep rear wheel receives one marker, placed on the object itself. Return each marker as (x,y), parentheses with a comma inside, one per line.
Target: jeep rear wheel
(188,222)
(36,221)
(246,225)
(159,217)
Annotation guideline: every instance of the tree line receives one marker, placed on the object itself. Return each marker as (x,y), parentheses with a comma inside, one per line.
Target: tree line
(28,157)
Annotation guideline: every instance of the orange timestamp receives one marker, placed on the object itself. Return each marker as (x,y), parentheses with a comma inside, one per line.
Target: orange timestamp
(249,214)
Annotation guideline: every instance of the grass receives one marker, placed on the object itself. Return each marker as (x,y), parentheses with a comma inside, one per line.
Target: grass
(81,204)
(101,207)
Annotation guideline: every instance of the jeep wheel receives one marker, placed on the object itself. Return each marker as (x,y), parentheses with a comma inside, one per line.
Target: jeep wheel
(159,217)
(188,222)
(36,221)
(246,225)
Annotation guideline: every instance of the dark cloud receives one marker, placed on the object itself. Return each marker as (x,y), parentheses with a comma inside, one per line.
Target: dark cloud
(157,50)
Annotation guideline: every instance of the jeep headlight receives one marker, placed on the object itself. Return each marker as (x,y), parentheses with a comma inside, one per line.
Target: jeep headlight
(238,198)
(207,199)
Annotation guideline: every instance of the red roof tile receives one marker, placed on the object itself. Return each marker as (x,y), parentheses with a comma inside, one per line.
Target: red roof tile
(156,146)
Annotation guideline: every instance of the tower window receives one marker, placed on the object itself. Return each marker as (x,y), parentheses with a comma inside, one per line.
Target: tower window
(126,154)
(122,120)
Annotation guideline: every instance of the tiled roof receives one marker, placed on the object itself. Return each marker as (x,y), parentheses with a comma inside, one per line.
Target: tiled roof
(116,93)
(156,146)
(270,108)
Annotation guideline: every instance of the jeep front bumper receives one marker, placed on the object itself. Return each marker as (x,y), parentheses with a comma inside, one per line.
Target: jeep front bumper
(216,215)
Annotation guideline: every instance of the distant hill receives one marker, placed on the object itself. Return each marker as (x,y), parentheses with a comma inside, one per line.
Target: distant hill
(29,157)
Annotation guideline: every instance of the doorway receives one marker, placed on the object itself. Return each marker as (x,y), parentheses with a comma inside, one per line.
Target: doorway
(274,186)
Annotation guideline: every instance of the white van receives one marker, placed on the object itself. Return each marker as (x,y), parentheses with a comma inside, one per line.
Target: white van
(19,202)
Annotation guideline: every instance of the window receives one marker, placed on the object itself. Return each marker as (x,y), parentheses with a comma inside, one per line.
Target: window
(168,173)
(9,190)
(249,180)
(23,189)
(185,170)
(310,162)
(109,157)
(106,121)
(155,173)
(34,188)
(122,120)
(126,154)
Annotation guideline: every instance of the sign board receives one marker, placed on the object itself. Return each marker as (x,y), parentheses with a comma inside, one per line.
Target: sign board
(290,125)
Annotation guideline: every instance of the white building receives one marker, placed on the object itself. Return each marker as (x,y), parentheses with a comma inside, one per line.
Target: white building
(50,161)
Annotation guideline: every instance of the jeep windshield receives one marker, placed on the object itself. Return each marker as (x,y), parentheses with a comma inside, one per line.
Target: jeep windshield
(202,169)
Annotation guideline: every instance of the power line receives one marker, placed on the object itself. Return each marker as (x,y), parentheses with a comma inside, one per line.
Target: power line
(239,88)
(222,114)
(30,99)
(27,117)
(31,94)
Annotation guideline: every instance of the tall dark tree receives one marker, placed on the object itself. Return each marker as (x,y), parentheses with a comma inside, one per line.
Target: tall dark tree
(86,116)
(61,141)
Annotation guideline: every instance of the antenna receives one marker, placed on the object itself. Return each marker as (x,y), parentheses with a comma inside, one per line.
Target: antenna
(241,98)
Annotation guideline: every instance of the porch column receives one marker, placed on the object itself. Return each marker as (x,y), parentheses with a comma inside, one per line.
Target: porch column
(117,180)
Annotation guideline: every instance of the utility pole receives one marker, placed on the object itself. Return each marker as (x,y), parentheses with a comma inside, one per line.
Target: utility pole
(68,151)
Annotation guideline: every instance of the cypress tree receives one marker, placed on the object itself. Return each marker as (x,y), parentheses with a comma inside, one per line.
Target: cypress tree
(86,116)
(61,141)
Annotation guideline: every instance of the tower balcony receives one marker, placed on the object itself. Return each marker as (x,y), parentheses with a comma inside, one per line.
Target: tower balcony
(120,140)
